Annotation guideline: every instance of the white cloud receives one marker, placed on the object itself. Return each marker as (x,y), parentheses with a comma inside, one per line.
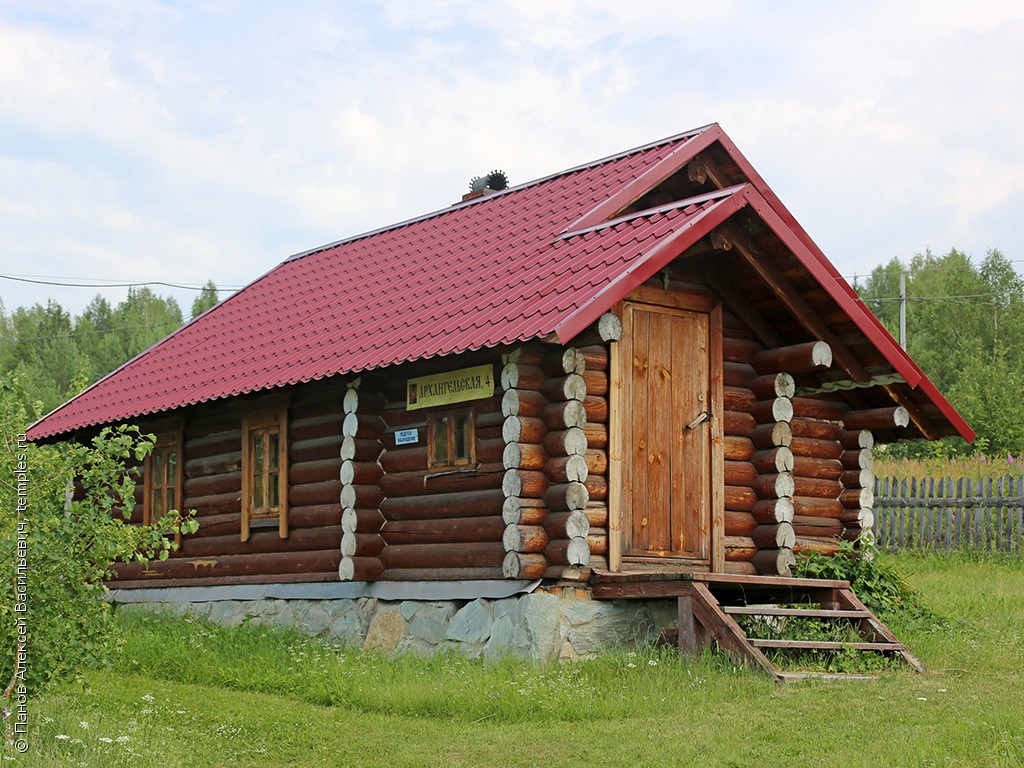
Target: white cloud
(181,142)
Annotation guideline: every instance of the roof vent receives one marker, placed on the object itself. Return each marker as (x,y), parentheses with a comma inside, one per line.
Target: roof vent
(495,181)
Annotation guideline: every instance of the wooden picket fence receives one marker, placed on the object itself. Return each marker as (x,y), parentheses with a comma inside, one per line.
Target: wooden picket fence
(945,514)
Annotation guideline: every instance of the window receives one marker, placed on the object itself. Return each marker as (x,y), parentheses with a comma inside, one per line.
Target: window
(451,440)
(265,473)
(162,472)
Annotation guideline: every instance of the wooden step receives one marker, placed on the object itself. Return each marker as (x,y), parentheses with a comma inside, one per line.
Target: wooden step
(822,645)
(754,583)
(704,620)
(807,613)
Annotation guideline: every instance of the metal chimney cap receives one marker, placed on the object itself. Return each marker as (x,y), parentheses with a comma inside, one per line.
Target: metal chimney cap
(495,180)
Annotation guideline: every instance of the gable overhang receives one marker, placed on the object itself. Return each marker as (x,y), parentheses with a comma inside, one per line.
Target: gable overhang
(835,285)
(779,218)
(810,257)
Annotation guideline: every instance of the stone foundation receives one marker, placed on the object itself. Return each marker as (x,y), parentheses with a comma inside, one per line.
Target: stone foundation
(544,625)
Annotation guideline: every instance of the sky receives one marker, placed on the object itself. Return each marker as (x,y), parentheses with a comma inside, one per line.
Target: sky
(193,140)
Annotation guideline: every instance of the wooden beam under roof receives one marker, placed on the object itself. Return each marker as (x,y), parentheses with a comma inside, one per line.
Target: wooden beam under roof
(794,302)
(742,308)
(916,414)
(702,168)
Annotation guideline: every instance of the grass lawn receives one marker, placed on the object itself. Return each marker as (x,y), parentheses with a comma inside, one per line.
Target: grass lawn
(189,694)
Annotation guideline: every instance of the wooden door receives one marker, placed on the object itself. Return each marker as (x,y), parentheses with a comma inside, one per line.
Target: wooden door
(669,428)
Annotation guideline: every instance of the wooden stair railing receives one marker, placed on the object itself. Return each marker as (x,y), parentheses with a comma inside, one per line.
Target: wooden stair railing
(704,619)
(709,605)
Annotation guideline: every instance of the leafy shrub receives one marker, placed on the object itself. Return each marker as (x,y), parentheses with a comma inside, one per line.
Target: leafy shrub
(879,585)
(69,545)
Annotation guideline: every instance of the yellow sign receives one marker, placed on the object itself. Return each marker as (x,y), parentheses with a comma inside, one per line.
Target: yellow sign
(450,387)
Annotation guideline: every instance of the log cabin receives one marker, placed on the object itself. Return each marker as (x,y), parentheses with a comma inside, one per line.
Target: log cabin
(641,365)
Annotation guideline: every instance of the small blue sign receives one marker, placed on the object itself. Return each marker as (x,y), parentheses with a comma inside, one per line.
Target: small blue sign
(407,436)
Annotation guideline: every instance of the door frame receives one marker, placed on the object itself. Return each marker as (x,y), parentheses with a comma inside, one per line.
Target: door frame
(620,508)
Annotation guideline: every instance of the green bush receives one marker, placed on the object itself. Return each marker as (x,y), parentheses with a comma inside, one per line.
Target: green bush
(879,585)
(57,551)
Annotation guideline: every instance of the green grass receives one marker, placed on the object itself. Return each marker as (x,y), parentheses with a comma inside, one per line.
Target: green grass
(187,694)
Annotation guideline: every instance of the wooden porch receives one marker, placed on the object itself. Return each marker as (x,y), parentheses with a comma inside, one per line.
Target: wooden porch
(711,603)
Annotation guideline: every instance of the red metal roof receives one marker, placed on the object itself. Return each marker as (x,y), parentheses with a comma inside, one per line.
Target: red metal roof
(497,270)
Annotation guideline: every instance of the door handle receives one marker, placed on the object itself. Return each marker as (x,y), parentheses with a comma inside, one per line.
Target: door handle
(706,416)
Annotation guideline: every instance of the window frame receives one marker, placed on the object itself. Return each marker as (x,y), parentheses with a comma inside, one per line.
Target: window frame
(265,425)
(167,440)
(449,418)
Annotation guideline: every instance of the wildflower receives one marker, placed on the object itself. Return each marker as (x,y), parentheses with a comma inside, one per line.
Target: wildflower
(123,739)
(62,737)
(148,697)
(106,740)
(84,725)
(631,665)
(652,663)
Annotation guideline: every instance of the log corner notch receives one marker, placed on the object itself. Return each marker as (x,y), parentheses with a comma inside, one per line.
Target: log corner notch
(546,469)
(523,510)
(774,484)
(607,328)
(359,549)
(858,516)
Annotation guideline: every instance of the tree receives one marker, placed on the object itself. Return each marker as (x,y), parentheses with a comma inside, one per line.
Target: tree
(55,357)
(45,356)
(144,318)
(966,330)
(207,299)
(58,547)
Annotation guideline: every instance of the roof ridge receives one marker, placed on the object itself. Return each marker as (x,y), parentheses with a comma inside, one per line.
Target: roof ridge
(518,187)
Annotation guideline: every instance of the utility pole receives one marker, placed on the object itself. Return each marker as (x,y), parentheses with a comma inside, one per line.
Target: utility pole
(903,310)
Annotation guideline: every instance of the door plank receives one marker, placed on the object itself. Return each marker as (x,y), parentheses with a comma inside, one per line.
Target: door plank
(662,381)
(640,366)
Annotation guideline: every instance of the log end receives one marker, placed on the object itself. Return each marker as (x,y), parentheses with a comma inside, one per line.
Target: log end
(578,551)
(609,327)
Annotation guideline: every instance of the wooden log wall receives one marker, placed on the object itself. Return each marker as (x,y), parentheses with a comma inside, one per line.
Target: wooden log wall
(783,480)
(816,429)
(597,372)
(437,525)
(359,474)
(797,476)
(212,483)
(758,471)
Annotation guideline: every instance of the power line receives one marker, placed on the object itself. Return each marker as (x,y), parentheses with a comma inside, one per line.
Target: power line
(59,282)
(936,298)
